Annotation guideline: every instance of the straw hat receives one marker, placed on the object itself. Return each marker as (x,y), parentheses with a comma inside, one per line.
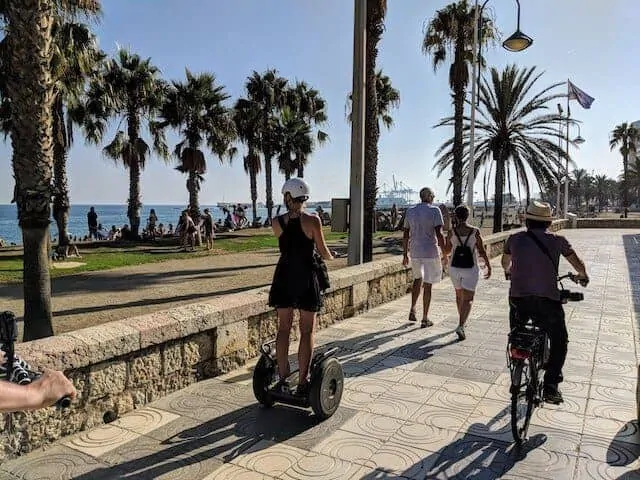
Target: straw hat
(540,211)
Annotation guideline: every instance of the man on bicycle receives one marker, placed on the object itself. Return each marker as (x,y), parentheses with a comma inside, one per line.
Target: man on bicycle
(530,260)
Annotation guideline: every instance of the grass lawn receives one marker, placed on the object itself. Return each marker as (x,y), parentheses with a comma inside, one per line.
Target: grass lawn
(107,258)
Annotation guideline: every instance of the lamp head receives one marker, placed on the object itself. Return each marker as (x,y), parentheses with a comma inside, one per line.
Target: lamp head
(579,140)
(517,42)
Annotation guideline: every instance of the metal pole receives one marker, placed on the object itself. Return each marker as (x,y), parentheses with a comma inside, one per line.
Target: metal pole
(566,178)
(358,103)
(558,197)
(472,130)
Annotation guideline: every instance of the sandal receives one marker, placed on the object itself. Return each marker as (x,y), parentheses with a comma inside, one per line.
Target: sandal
(426,323)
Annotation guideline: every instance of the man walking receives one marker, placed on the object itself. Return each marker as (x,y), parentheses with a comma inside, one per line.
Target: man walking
(424,240)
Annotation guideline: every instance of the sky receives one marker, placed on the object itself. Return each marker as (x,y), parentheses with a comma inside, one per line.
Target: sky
(592,42)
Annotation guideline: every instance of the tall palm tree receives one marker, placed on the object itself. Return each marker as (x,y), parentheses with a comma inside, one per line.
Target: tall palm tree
(625,137)
(307,103)
(129,89)
(515,133)
(450,33)
(376,12)
(29,88)
(197,109)
(581,179)
(268,92)
(633,179)
(601,183)
(295,142)
(247,116)
(387,98)
(76,57)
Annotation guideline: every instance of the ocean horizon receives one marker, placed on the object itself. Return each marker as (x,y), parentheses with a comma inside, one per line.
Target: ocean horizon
(108,215)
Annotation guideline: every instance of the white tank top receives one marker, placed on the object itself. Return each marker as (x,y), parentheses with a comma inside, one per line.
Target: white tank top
(471,243)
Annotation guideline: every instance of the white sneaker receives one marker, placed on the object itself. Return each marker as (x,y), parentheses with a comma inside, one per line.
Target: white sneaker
(460,333)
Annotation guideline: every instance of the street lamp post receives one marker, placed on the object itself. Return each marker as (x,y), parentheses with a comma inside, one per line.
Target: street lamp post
(356,183)
(576,141)
(515,43)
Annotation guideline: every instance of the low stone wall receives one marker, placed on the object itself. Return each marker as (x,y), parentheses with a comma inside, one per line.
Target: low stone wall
(607,223)
(494,244)
(122,365)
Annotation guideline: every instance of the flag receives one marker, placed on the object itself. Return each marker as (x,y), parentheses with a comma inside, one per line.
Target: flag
(583,98)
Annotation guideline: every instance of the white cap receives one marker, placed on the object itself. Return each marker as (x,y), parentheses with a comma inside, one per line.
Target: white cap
(296,187)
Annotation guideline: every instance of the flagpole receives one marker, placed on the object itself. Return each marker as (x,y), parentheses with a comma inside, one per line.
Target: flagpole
(566,177)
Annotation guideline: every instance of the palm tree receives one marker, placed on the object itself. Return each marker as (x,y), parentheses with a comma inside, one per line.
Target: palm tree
(601,186)
(450,33)
(514,133)
(76,57)
(268,92)
(307,104)
(29,88)
(247,116)
(387,98)
(129,89)
(196,108)
(626,137)
(581,179)
(295,142)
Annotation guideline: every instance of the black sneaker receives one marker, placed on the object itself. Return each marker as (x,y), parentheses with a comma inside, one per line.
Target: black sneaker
(552,394)
(412,316)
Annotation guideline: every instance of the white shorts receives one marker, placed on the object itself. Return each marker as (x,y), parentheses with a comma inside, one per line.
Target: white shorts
(427,269)
(464,278)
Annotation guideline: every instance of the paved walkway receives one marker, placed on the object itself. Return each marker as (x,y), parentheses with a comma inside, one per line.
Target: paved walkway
(417,403)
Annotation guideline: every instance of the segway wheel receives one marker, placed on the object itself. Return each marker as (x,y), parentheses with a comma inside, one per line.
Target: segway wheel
(326,388)
(263,377)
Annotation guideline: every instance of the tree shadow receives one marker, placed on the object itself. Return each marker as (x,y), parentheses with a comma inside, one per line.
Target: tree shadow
(621,453)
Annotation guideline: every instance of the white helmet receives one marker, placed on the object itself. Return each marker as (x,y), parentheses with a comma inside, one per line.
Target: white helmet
(296,187)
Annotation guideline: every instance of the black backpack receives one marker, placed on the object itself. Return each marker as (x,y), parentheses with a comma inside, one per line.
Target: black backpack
(462,255)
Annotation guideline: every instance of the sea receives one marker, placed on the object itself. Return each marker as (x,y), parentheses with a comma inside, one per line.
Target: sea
(108,215)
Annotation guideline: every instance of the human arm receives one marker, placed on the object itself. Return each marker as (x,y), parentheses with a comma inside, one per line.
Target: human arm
(482,252)
(572,257)
(440,238)
(447,243)
(506,258)
(405,246)
(318,237)
(43,392)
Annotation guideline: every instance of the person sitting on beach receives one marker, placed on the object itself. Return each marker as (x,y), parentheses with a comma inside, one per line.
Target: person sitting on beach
(2,243)
(114,233)
(161,231)
(101,234)
(126,233)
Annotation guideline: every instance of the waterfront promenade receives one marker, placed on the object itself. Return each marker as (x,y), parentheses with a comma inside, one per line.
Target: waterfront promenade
(417,403)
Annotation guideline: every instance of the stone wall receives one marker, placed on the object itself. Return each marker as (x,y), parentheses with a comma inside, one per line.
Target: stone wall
(122,365)
(608,223)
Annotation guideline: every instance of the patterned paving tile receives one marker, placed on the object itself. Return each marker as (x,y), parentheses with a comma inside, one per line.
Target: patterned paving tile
(269,458)
(100,440)
(372,425)
(424,380)
(540,463)
(454,401)
(547,417)
(466,387)
(612,394)
(350,447)
(195,406)
(230,471)
(590,470)
(55,463)
(144,420)
(611,409)
(609,429)
(392,406)
(403,460)
(316,466)
(439,417)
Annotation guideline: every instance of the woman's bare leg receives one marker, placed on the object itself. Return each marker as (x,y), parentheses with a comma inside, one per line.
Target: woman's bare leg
(465,305)
(305,350)
(285,319)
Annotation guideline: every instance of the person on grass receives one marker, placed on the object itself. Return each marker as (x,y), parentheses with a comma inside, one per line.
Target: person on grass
(423,239)
(464,245)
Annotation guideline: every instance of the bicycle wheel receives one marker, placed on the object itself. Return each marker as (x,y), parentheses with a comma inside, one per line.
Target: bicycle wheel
(523,389)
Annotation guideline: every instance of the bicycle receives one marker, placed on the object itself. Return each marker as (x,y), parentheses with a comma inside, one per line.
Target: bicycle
(527,356)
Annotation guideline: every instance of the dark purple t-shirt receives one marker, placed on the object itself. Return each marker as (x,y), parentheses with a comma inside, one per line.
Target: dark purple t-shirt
(532,273)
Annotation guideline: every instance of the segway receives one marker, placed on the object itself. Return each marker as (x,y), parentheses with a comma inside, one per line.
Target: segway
(15,369)
(325,384)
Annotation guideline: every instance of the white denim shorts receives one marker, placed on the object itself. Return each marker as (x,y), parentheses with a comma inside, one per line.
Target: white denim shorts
(464,278)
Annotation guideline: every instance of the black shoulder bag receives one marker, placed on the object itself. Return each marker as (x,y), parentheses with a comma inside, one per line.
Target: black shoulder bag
(462,255)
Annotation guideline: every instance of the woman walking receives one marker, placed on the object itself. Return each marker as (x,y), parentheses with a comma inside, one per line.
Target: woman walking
(464,244)
(296,281)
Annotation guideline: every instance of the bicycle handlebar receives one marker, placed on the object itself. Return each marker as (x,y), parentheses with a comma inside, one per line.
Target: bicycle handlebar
(574,278)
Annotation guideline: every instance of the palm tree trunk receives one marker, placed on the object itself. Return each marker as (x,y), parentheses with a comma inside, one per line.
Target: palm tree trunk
(268,184)
(371,128)
(253,181)
(300,169)
(134,203)
(61,188)
(31,92)
(194,203)
(459,88)
(625,185)
(499,190)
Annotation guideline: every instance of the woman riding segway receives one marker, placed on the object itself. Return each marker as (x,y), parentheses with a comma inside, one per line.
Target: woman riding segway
(295,281)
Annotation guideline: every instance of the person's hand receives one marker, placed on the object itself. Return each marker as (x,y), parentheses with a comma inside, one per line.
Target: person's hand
(582,279)
(405,259)
(487,271)
(51,387)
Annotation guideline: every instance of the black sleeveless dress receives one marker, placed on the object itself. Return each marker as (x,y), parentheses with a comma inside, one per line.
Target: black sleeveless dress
(295,282)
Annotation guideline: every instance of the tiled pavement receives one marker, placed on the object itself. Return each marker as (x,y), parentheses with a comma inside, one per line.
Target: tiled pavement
(417,403)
